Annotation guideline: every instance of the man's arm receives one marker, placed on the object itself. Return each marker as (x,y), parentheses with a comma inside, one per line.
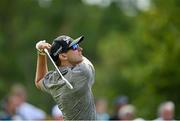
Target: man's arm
(41,68)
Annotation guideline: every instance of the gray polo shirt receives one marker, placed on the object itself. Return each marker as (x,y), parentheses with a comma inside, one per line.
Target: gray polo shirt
(78,103)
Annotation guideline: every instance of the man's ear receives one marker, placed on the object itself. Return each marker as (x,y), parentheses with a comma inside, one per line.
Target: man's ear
(63,56)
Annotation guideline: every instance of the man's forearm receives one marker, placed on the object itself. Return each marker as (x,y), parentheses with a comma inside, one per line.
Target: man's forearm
(41,68)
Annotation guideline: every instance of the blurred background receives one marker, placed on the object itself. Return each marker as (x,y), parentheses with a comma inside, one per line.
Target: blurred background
(133,44)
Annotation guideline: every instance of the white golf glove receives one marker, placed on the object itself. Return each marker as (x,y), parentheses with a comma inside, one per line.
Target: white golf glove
(40,51)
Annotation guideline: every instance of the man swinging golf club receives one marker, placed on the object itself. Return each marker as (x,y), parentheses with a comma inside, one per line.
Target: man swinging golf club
(70,84)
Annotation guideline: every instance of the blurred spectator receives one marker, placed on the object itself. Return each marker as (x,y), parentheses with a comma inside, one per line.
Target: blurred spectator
(127,112)
(119,103)
(25,110)
(101,109)
(56,113)
(166,111)
(9,106)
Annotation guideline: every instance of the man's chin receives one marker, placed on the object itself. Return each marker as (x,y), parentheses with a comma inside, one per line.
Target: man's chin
(80,61)
(77,61)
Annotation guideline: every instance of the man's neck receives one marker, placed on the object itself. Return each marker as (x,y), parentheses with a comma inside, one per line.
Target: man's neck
(66,64)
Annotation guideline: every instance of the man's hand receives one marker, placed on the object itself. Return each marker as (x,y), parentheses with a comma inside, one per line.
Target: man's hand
(41,45)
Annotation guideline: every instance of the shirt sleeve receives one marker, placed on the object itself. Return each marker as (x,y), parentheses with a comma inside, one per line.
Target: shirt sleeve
(88,69)
(88,63)
(45,81)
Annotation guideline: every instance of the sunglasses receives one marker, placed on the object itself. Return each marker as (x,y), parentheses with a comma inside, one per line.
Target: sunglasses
(74,47)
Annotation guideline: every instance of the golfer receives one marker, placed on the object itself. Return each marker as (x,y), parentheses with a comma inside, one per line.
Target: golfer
(76,103)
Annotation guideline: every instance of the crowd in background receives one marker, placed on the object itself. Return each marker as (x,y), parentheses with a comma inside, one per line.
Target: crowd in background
(15,107)
(126,111)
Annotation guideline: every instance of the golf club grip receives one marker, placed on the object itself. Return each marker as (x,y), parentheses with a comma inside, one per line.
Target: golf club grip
(68,84)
